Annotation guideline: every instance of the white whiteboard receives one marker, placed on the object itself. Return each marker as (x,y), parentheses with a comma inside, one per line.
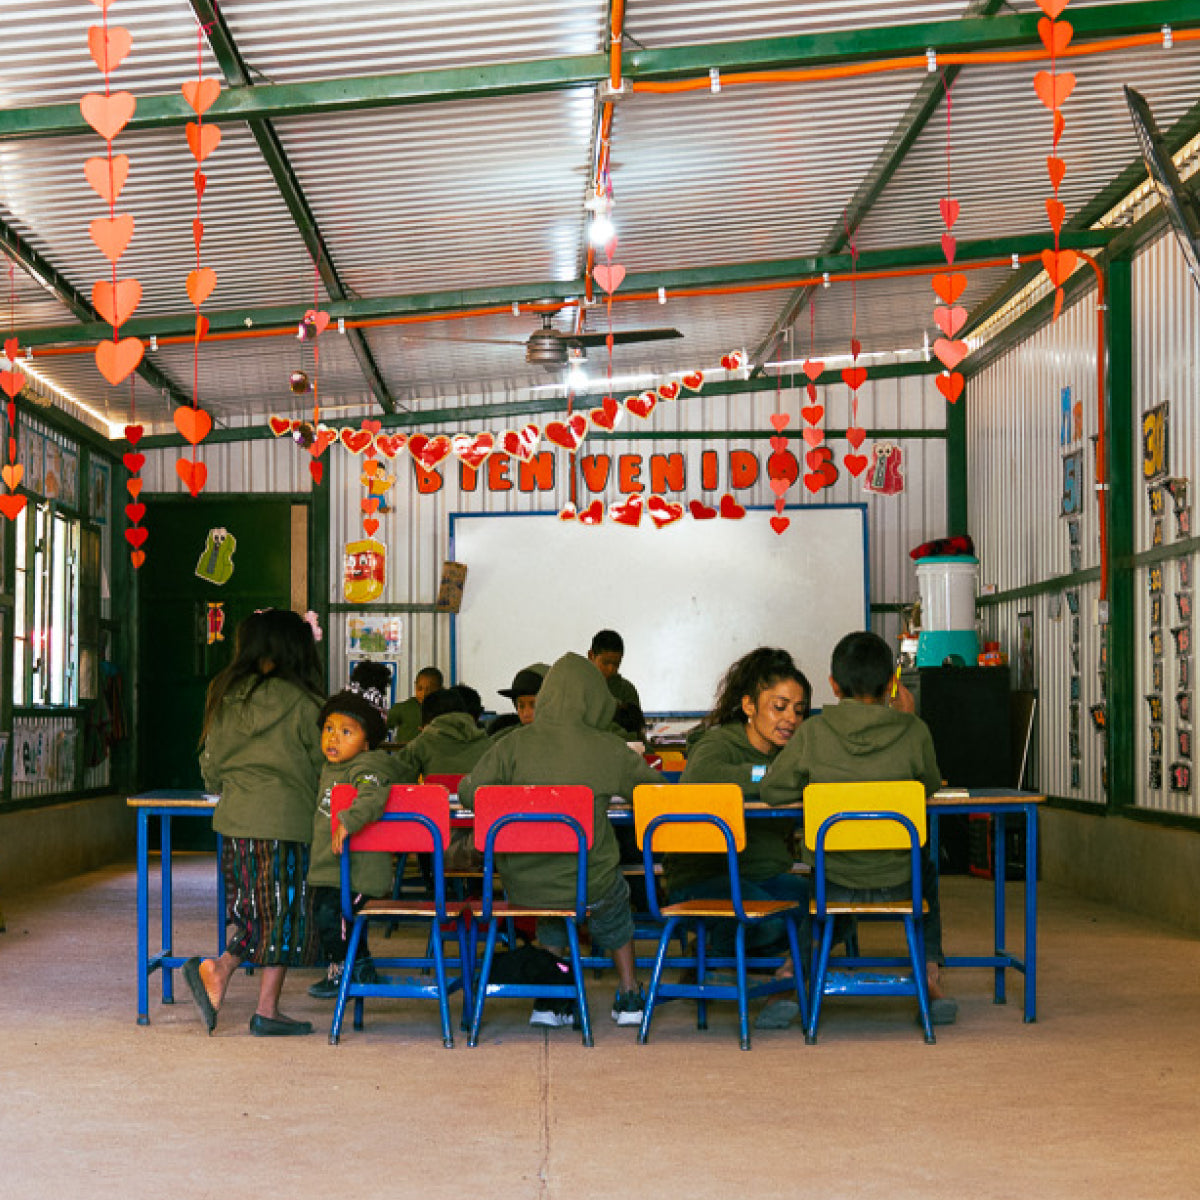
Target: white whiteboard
(688,599)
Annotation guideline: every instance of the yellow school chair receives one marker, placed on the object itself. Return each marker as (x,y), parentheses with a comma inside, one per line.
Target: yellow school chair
(866,816)
(707,818)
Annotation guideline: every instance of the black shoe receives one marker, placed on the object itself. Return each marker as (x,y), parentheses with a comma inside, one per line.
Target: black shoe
(327,988)
(280,1026)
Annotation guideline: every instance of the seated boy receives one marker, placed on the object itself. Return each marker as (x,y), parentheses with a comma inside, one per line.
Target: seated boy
(607,651)
(404,719)
(523,693)
(569,743)
(867,735)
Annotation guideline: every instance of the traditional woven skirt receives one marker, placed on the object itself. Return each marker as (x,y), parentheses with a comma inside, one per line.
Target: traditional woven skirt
(268,907)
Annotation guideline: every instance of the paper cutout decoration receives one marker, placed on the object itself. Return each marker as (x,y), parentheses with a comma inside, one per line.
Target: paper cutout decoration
(450,590)
(216,621)
(216,559)
(12,380)
(885,476)
(364,571)
(1052,90)
(949,317)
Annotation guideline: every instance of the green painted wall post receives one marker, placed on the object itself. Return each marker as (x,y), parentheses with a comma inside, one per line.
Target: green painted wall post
(957,516)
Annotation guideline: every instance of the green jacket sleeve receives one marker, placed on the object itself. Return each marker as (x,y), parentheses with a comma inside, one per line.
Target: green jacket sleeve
(368,806)
(787,776)
(712,760)
(493,767)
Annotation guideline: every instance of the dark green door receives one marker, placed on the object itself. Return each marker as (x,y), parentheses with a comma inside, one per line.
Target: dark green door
(176,660)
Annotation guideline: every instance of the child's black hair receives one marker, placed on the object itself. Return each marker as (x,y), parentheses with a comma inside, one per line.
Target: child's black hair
(365,699)
(862,665)
(750,676)
(441,702)
(608,641)
(472,699)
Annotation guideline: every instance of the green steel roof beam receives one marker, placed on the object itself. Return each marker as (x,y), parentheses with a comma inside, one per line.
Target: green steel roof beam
(382,307)
(271,101)
(238,73)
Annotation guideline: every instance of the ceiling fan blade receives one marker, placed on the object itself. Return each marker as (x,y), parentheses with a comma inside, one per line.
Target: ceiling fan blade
(622,336)
(434,337)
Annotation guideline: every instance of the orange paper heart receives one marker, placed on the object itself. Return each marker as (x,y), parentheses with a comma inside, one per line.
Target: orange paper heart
(369,505)
(108,115)
(13,473)
(1056,35)
(854,377)
(108,47)
(949,246)
(949,353)
(107,181)
(779,421)
(814,437)
(949,287)
(1050,7)
(609,278)
(11,505)
(202,140)
(200,94)
(193,423)
(813,369)
(319,320)
(11,382)
(116,303)
(856,435)
(1059,264)
(111,235)
(200,284)
(1060,123)
(1056,210)
(950,385)
(137,557)
(370,525)
(1053,90)
(133,486)
(193,474)
(813,413)
(1056,168)
(118,360)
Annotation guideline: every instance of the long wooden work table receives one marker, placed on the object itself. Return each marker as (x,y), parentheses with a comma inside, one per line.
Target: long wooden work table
(168,804)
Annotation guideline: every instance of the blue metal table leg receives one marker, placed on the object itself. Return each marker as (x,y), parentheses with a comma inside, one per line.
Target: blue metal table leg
(1000,863)
(143,918)
(168,923)
(1031,866)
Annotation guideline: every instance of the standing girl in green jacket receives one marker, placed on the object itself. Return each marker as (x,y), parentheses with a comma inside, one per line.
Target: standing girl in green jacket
(261,751)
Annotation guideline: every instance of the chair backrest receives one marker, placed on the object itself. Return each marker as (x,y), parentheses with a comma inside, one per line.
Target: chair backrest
(531,835)
(400,836)
(903,796)
(449,782)
(719,800)
(672,760)
(655,760)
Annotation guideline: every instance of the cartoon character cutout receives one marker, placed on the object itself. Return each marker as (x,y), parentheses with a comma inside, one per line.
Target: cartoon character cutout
(885,475)
(216,559)
(364,571)
(216,621)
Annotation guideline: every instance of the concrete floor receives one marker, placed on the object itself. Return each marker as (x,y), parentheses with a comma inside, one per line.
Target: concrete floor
(1098,1099)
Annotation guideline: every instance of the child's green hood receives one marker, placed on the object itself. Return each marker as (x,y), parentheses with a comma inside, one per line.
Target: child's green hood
(575,693)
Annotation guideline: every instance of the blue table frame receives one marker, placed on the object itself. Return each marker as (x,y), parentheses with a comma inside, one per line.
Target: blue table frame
(166,804)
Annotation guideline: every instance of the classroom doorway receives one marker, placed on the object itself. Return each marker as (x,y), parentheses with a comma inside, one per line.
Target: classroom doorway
(210,563)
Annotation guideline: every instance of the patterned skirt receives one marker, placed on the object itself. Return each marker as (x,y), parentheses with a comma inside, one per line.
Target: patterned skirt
(267,902)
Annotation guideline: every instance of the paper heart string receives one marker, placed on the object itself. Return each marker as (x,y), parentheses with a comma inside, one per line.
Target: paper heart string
(108,115)
(779,524)
(201,94)
(319,320)
(778,443)
(137,536)
(202,139)
(11,382)
(608,277)
(701,512)
(1059,265)
(1056,210)
(1053,90)
(521,443)
(1051,8)
(429,451)
(856,435)
(641,405)
(730,509)
(390,444)
(107,181)
(779,421)
(949,353)
(109,47)
(949,287)
(856,464)
(814,437)
(200,284)
(950,320)
(112,235)
(668,391)
(472,450)
(593,514)
(13,473)
(949,246)
(813,369)
(663,512)
(280,425)
(118,360)
(605,416)
(372,427)
(1056,168)
(567,434)
(854,377)
(693,381)
(135,512)
(193,423)
(950,385)
(116,302)
(949,209)
(133,485)
(627,512)
(370,526)
(355,440)
(1056,35)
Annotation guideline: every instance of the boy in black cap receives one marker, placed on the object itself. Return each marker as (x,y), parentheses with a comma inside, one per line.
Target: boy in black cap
(525,686)
(353,724)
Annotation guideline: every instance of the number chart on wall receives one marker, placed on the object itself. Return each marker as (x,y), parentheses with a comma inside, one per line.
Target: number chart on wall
(688,599)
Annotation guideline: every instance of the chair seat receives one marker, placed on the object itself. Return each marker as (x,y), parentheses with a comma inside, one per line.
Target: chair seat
(505,908)
(756,909)
(407,908)
(867,908)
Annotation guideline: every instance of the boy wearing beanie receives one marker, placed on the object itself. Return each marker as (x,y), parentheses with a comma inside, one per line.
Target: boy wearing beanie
(353,724)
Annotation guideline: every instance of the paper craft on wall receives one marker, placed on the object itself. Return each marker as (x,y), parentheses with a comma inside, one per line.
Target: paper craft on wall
(215,623)
(216,559)
(364,571)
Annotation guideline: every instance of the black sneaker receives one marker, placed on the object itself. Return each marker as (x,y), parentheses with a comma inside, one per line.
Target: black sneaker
(553,1014)
(628,1006)
(327,988)
(364,972)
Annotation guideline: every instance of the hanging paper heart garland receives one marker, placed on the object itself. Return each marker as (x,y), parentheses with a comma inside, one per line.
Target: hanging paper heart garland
(854,377)
(371,502)
(822,471)
(202,140)
(115,299)
(12,380)
(949,317)
(309,332)
(1052,90)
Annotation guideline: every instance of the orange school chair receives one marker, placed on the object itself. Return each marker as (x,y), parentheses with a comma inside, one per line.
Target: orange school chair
(416,819)
(866,816)
(532,820)
(708,818)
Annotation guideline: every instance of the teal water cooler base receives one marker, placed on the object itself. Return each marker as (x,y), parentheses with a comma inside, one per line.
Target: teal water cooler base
(936,645)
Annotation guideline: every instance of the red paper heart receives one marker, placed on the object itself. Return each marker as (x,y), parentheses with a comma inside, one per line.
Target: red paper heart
(472,450)
(1056,168)
(108,115)
(372,427)
(318,319)
(355,440)
(370,465)
(522,443)
(628,512)
(12,347)
(137,536)
(856,435)
(855,463)
(1056,35)
(11,505)
(1053,90)
(1056,210)
(12,382)
(814,481)
(568,434)
(816,459)
(107,181)
(108,47)
(593,514)
(605,416)
(608,277)
(950,385)
(194,423)
(643,405)
(949,211)
(1050,7)
(854,377)
(200,183)
(202,140)
(429,451)
(316,470)
(814,437)
(701,512)
(111,235)
(133,485)
(693,381)
(949,353)
(813,368)
(280,425)
(1059,264)
(663,512)
(779,524)
(200,94)
(780,421)
(135,512)
(567,512)
(779,443)
(950,320)
(949,287)
(855,347)
(733,360)
(1060,123)
(197,232)
(810,390)
(116,305)
(778,485)
(390,444)
(117,360)
(668,391)
(193,474)
(949,246)
(322,440)
(370,525)
(813,413)
(730,509)
(200,284)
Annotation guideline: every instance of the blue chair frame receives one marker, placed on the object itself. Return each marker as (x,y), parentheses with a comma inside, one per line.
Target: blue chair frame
(492,913)
(853,983)
(433,911)
(676,917)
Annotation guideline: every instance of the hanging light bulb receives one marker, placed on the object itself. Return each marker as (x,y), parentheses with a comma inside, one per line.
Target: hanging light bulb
(601,231)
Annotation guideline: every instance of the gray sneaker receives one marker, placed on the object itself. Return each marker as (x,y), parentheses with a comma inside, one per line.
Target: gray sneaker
(553,1014)
(628,1006)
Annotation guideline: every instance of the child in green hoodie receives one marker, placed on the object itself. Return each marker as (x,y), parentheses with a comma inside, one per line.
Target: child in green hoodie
(569,742)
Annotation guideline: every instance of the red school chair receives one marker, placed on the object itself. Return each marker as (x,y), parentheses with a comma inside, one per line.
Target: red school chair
(532,820)
(416,820)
